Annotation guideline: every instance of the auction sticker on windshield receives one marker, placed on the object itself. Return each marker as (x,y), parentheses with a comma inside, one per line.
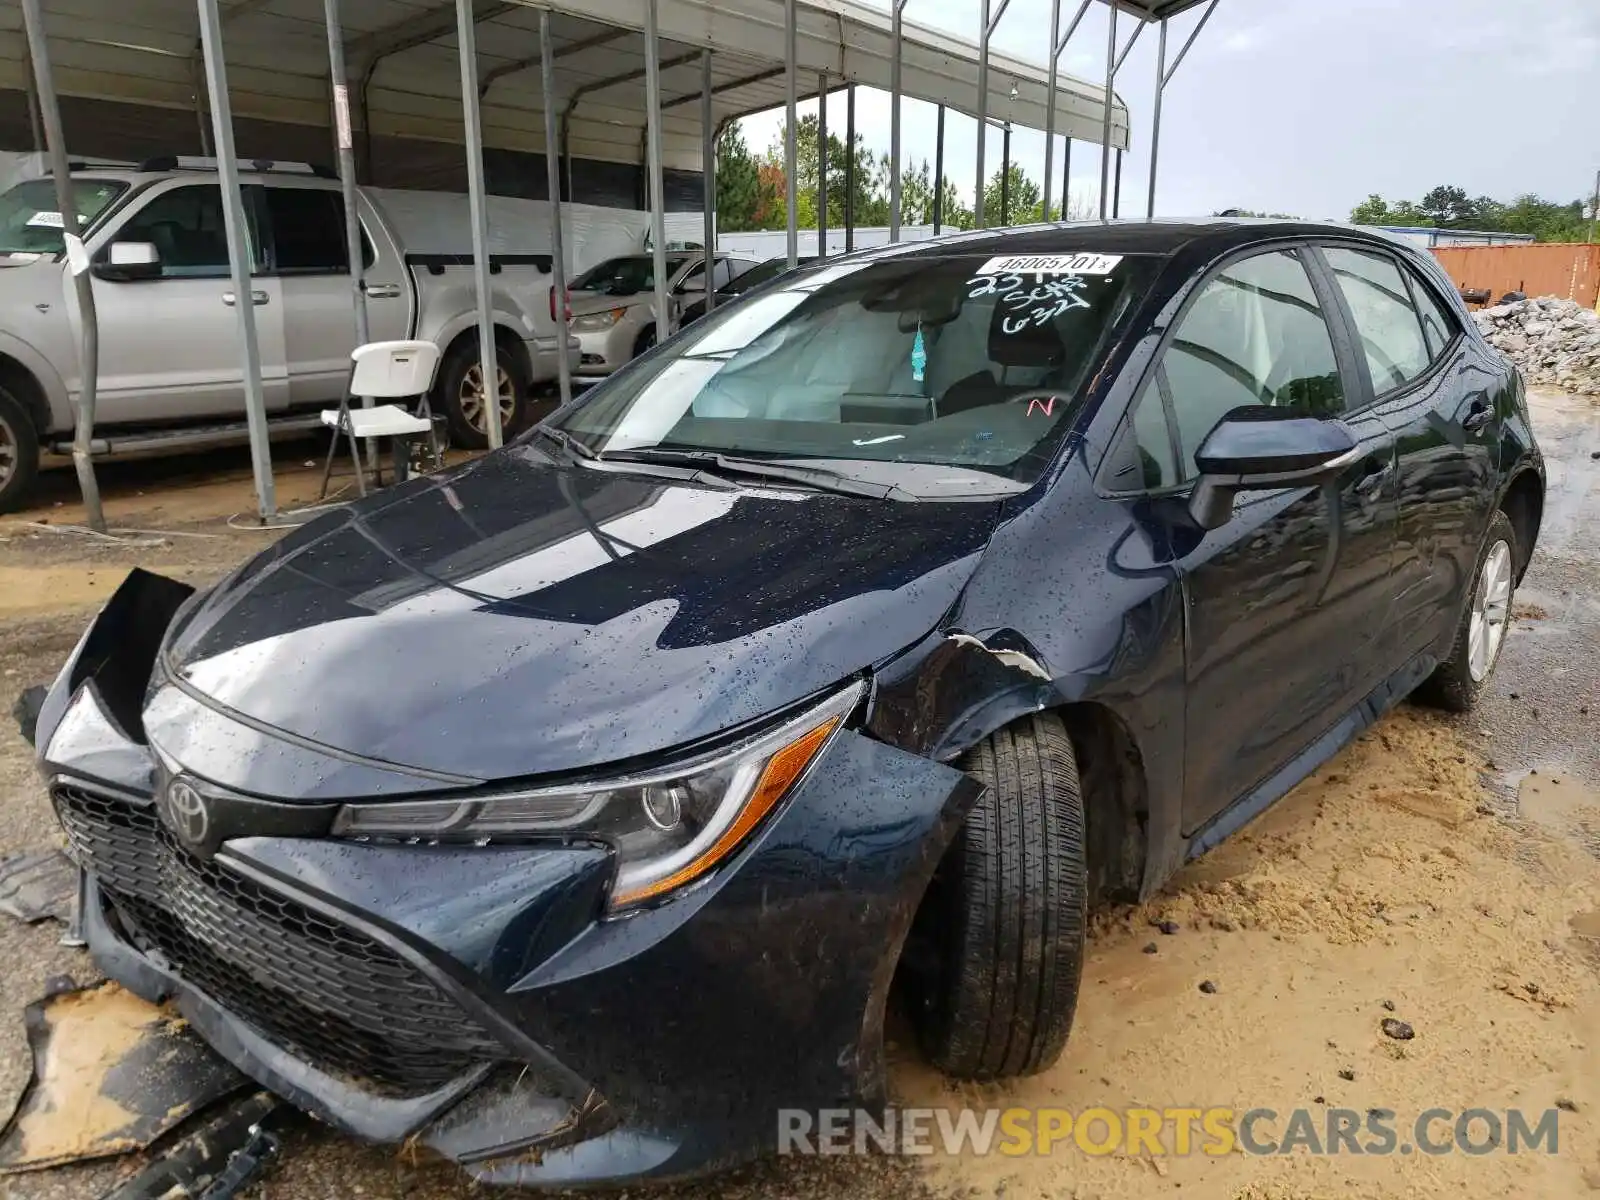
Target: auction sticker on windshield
(1051,264)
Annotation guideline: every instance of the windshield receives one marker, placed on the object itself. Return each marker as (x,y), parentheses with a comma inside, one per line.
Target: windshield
(758,275)
(625,276)
(958,361)
(30,219)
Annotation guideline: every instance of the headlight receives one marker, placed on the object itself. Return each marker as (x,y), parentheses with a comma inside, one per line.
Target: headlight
(590,322)
(668,827)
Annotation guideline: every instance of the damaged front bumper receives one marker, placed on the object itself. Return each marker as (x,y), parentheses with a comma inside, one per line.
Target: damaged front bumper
(474,1000)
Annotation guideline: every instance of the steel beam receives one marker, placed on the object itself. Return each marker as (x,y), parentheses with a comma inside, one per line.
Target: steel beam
(658,205)
(822,165)
(1110,104)
(344,148)
(49,115)
(894,122)
(552,175)
(708,176)
(240,261)
(477,203)
(850,168)
(938,174)
(495,74)
(790,133)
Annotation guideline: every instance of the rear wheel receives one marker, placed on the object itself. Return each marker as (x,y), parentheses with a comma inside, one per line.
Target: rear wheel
(1456,683)
(647,340)
(1006,912)
(461,397)
(19,452)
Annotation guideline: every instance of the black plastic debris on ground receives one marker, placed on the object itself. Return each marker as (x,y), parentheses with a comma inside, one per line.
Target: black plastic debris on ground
(230,1150)
(26,711)
(37,885)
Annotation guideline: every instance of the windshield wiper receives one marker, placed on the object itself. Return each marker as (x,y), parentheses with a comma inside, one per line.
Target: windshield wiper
(734,467)
(573,447)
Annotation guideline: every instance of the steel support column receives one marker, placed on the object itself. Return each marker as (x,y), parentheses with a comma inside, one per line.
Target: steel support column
(708,176)
(1058,43)
(1105,131)
(552,175)
(239,256)
(344,147)
(1164,76)
(894,123)
(1116,188)
(850,168)
(938,174)
(1066,179)
(488,359)
(1005,175)
(791,85)
(44,88)
(822,166)
(983,112)
(658,194)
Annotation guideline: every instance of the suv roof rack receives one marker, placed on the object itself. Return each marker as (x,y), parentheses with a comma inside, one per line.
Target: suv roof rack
(260,166)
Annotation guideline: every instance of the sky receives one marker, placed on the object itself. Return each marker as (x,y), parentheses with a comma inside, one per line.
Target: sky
(1302,106)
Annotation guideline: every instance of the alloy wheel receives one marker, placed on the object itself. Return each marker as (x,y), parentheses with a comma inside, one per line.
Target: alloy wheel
(473,410)
(9,452)
(1491,610)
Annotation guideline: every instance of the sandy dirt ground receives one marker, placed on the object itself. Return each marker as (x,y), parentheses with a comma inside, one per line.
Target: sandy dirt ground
(1442,872)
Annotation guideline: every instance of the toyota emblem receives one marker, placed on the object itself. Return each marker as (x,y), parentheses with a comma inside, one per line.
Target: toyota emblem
(186,813)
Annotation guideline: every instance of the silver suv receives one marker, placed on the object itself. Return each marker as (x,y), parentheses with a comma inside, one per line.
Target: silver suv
(169,371)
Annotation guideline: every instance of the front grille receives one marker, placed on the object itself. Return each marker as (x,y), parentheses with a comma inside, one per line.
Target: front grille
(323,990)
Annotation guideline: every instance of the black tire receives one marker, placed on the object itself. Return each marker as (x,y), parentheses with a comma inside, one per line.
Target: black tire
(647,340)
(469,426)
(1007,911)
(1453,686)
(19,452)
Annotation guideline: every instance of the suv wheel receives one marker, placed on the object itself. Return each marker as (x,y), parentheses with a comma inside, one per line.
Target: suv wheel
(459,395)
(1006,912)
(647,340)
(19,452)
(1456,683)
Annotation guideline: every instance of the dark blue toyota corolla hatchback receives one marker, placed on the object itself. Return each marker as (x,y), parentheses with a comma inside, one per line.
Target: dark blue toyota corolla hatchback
(573,811)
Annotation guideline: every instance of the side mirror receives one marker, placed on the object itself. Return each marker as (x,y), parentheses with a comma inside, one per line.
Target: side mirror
(128,261)
(1256,449)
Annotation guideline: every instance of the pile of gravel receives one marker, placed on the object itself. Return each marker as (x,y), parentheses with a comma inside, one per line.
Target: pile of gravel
(1555,342)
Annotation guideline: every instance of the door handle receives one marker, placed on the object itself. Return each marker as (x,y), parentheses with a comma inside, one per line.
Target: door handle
(256,298)
(1479,414)
(382,291)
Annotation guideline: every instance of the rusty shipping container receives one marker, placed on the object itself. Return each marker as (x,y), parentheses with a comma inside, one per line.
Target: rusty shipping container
(1570,270)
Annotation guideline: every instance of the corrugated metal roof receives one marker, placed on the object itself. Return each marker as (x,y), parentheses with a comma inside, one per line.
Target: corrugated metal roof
(401,57)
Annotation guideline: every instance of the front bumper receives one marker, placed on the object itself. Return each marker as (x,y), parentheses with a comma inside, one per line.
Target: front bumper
(606,350)
(545,361)
(474,999)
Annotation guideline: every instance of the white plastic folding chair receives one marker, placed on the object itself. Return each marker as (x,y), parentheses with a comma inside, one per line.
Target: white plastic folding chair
(384,371)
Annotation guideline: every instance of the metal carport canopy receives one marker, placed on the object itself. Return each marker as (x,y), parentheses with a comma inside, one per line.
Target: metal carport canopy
(405,82)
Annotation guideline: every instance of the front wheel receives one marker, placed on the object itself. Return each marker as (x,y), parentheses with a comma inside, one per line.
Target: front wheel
(460,395)
(1456,683)
(1006,912)
(19,452)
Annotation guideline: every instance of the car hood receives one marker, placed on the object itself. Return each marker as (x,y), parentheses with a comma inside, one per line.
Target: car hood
(516,617)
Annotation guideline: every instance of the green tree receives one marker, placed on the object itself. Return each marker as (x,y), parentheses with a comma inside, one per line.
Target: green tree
(1374,210)
(1448,206)
(738,182)
(1022,199)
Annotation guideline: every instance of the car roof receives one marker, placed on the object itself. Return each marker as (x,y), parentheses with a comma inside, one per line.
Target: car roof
(1163,238)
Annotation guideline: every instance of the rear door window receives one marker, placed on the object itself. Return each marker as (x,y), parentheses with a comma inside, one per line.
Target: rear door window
(1391,334)
(308,234)
(1438,325)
